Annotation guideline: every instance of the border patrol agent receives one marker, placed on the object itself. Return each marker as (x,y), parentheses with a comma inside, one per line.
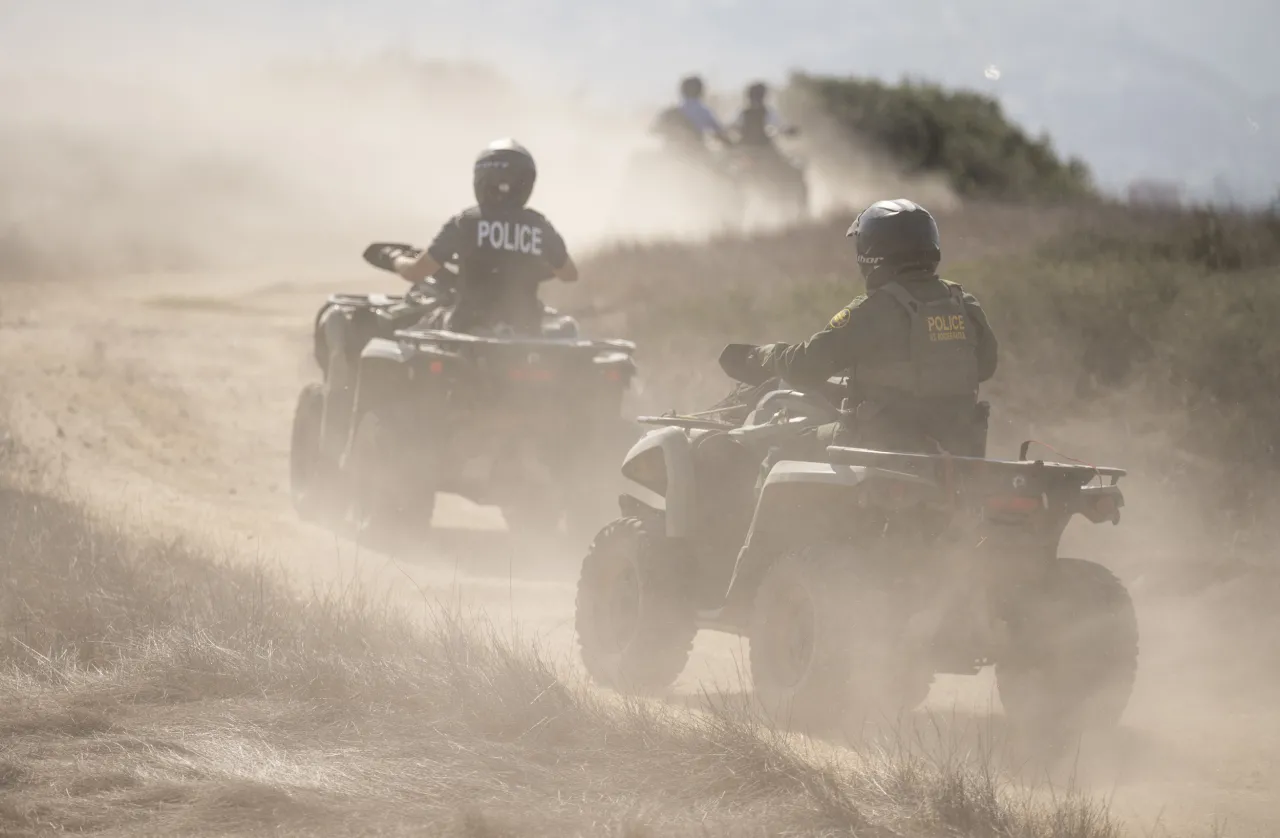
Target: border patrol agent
(915,347)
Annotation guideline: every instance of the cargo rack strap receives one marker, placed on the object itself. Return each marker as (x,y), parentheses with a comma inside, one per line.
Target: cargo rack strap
(1026,446)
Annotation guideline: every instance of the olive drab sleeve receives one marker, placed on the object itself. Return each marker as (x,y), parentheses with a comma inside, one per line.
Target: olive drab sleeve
(988,345)
(827,353)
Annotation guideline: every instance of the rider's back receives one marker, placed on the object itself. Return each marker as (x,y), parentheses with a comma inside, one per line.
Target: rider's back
(919,365)
(753,127)
(503,256)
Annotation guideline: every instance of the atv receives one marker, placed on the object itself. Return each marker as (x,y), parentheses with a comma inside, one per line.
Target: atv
(857,575)
(771,180)
(500,419)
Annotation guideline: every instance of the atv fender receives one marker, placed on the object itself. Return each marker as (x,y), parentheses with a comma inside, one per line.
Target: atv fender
(326,333)
(659,473)
(384,368)
(344,329)
(803,503)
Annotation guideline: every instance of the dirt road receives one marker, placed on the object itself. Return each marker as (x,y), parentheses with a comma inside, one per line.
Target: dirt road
(167,401)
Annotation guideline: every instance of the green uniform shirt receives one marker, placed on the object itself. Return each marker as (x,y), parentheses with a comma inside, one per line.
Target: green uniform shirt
(874,327)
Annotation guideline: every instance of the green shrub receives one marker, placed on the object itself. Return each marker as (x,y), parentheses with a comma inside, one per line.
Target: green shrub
(926,129)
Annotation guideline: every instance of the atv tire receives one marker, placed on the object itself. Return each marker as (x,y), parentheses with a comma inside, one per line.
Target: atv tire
(388,509)
(635,618)
(1075,653)
(823,642)
(311,478)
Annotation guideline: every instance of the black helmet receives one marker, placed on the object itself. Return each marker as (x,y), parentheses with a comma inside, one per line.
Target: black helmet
(504,175)
(691,87)
(757,92)
(896,236)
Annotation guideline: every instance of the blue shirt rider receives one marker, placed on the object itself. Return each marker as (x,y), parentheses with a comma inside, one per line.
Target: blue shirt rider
(691,121)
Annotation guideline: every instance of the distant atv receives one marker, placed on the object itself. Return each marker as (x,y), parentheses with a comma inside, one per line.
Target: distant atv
(865,574)
(517,422)
(770,180)
(681,178)
(673,190)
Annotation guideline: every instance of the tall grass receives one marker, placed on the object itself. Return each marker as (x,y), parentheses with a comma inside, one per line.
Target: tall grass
(147,688)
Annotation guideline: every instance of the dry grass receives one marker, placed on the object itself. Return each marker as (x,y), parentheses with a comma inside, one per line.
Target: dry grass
(149,689)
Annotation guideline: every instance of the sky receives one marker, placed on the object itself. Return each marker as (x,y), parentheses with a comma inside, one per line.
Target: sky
(1176,89)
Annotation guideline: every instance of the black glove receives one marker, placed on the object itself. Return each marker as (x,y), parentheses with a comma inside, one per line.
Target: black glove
(762,356)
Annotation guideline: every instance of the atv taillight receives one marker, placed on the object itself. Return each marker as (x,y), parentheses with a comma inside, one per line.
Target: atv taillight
(1102,507)
(436,367)
(613,375)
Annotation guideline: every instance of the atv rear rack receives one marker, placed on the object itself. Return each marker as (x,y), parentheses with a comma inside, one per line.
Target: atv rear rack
(910,462)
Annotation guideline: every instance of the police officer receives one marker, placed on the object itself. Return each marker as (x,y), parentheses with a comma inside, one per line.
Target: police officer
(504,249)
(915,347)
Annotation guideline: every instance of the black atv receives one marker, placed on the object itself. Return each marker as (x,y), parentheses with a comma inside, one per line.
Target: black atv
(856,574)
(500,419)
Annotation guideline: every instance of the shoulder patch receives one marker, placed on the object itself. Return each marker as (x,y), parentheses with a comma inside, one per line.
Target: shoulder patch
(840,320)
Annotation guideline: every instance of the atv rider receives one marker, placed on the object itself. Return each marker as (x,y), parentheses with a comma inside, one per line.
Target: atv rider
(504,249)
(686,125)
(757,124)
(915,347)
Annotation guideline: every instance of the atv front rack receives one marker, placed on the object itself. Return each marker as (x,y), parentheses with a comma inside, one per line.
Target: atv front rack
(689,422)
(913,463)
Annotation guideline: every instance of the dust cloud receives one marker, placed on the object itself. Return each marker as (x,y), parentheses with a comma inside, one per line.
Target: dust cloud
(298,163)
(299,160)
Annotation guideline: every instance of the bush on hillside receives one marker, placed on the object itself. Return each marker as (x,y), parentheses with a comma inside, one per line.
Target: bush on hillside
(960,134)
(1181,304)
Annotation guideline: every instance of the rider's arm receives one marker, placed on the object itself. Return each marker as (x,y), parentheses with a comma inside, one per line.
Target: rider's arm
(556,252)
(705,120)
(568,272)
(827,353)
(417,269)
(779,125)
(442,247)
(988,346)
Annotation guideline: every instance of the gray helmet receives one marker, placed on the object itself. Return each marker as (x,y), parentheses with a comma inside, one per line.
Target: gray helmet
(893,237)
(504,175)
(691,87)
